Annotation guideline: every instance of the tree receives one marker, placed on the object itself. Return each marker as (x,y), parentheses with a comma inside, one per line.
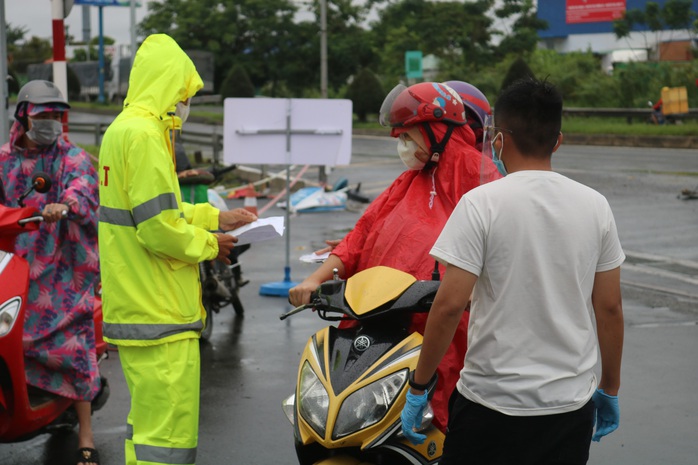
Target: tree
(252,33)
(237,84)
(366,93)
(456,33)
(80,54)
(518,70)
(34,50)
(14,35)
(522,39)
(673,15)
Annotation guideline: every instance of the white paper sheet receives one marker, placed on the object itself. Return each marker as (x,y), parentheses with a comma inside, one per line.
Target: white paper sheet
(314,258)
(261,230)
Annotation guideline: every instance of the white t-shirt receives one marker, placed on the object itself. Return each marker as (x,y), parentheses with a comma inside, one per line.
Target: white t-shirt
(535,239)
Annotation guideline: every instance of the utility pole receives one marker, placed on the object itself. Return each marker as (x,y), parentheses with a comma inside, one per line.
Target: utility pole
(86,29)
(60,67)
(4,91)
(133,31)
(322,173)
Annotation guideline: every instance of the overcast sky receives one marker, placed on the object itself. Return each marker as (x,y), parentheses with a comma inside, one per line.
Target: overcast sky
(35,16)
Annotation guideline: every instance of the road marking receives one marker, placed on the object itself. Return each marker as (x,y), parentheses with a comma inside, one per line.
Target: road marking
(665,324)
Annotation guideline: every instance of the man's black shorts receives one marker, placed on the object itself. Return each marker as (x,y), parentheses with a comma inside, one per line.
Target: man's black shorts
(481,436)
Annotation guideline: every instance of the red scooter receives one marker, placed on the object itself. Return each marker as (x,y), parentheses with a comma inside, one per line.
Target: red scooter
(26,411)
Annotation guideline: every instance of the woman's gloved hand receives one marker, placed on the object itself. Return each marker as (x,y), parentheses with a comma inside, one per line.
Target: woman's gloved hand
(412,416)
(607,414)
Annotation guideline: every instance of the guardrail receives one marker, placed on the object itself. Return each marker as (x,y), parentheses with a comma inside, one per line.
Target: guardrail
(212,140)
(643,114)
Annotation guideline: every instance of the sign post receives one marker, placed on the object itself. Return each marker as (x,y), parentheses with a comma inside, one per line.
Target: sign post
(101,4)
(413,64)
(286,132)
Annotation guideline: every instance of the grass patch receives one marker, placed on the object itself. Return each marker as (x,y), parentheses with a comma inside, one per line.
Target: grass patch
(592,125)
(107,107)
(90,148)
(619,126)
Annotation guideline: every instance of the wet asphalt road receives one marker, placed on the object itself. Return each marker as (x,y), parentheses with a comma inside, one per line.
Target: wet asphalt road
(250,364)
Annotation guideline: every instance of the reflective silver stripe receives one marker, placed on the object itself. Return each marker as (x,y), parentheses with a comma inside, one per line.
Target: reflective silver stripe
(152,207)
(129,431)
(167,455)
(147,332)
(116,216)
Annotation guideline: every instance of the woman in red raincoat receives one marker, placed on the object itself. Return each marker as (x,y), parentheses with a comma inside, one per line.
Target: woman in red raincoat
(399,228)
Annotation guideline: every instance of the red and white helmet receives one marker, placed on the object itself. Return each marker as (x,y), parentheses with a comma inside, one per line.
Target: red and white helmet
(473,99)
(425,102)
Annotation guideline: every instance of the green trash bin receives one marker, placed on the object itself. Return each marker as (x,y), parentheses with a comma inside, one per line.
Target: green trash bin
(194,193)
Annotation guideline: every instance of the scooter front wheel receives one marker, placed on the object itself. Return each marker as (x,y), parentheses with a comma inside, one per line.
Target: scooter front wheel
(236,302)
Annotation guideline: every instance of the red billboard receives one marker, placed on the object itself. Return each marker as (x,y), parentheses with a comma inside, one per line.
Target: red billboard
(593,11)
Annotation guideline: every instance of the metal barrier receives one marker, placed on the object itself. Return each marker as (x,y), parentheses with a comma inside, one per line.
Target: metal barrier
(212,140)
(628,113)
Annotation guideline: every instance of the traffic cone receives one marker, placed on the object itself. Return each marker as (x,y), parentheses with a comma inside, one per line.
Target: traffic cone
(250,204)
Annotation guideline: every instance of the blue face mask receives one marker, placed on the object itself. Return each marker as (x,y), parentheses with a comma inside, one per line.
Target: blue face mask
(496,159)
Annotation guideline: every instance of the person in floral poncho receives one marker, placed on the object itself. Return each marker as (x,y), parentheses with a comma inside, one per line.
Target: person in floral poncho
(59,335)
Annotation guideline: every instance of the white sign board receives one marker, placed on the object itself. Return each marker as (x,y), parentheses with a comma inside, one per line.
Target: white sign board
(277,131)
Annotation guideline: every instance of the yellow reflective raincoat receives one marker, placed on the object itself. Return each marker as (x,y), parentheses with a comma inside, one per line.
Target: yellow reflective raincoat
(150,241)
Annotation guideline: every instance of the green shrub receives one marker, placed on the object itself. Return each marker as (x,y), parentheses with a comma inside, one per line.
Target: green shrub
(518,70)
(237,84)
(366,94)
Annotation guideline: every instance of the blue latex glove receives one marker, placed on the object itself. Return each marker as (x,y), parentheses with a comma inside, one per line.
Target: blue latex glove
(607,414)
(412,416)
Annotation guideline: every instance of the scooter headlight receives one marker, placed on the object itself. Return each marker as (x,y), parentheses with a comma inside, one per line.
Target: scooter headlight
(8,315)
(313,400)
(368,405)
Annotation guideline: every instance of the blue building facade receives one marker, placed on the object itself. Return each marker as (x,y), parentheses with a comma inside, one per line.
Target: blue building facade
(573,17)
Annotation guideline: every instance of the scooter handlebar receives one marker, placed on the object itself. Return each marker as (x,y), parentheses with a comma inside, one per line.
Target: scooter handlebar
(31,219)
(38,218)
(294,311)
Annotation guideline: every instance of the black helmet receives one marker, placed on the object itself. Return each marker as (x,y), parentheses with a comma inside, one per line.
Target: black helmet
(38,92)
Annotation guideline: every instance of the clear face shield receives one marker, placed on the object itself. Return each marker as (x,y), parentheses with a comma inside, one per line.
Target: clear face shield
(492,166)
(386,116)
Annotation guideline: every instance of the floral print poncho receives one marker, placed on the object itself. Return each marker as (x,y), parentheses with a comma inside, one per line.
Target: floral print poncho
(59,336)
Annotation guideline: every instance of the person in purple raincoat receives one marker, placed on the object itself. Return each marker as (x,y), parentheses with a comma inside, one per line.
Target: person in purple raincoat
(59,334)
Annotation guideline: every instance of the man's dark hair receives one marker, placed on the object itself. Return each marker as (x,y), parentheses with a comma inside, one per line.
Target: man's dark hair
(532,110)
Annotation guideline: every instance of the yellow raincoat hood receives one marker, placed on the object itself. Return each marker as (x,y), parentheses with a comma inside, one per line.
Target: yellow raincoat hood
(154,91)
(150,242)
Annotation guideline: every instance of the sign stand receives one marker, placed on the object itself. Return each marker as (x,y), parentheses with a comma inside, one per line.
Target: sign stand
(236,138)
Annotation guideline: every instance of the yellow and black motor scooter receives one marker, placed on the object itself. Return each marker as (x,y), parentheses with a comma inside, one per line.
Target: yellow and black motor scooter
(352,382)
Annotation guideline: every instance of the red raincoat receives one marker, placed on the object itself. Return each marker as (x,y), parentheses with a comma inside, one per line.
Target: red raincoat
(400,227)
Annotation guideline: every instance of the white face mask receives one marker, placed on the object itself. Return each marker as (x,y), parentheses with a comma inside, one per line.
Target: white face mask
(182,110)
(407,149)
(45,131)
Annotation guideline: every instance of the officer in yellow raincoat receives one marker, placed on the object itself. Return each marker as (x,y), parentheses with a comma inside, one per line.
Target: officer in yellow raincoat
(150,245)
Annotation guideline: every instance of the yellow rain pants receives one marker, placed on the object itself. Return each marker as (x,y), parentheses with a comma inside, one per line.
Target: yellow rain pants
(164,382)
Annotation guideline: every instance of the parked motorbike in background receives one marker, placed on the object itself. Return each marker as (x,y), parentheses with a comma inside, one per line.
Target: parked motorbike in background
(26,411)
(220,283)
(352,382)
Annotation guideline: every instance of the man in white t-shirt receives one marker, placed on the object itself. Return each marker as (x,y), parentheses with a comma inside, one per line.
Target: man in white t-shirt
(541,255)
